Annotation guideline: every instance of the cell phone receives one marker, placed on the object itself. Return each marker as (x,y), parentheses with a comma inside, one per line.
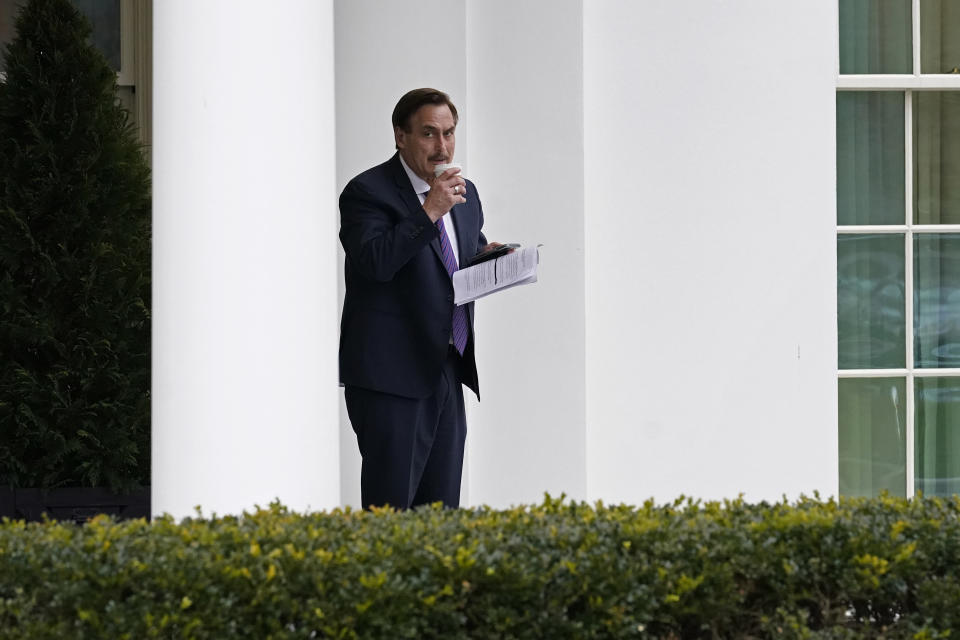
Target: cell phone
(492,254)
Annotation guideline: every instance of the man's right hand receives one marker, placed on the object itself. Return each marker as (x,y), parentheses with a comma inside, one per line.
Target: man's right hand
(448,189)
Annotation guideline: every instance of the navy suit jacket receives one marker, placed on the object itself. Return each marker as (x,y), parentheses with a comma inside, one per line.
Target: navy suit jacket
(398,309)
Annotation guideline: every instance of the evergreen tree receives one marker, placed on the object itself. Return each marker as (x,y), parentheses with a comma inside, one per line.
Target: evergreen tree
(74,264)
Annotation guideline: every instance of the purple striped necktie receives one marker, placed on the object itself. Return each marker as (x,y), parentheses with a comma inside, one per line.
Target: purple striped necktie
(459,312)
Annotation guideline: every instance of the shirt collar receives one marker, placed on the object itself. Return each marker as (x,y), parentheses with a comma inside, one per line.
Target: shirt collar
(419,184)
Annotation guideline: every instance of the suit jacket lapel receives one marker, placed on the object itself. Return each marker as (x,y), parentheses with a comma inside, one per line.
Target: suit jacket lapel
(463,250)
(435,245)
(409,197)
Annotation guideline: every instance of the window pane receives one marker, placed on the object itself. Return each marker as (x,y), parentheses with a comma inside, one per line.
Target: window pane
(939,36)
(876,36)
(871,314)
(870,158)
(104,17)
(937,450)
(873,449)
(936,157)
(936,295)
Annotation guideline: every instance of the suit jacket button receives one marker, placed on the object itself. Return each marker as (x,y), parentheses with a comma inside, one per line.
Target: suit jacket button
(450,298)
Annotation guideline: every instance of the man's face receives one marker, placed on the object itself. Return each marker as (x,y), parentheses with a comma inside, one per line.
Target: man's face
(430,141)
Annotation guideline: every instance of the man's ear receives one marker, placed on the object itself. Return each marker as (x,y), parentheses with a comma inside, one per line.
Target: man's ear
(400,137)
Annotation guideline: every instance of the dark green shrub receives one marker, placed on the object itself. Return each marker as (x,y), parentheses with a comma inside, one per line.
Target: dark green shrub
(74,264)
(884,568)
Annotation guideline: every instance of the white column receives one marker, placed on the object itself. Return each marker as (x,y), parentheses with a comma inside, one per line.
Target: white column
(245,403)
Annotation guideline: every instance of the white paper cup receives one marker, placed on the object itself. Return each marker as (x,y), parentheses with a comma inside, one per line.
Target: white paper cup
(440,168)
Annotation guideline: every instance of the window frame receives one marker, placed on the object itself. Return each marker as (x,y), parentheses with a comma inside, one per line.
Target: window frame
(906,84)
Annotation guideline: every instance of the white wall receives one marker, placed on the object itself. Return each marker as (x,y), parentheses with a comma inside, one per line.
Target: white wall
(710,273)
(524,82)
(677,161)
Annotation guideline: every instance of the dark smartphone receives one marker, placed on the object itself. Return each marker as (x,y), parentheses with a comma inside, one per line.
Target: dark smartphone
(491,254)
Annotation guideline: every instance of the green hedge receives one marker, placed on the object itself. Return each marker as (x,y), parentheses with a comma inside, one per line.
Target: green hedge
(884,568)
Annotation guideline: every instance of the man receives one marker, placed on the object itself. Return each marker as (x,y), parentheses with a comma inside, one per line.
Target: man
(405,348)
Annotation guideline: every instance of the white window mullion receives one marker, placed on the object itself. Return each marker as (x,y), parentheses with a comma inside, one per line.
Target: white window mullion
(871,373)
(916,38)
(911,488)
(889,82)
(936,373)
(898,373)
(908,255)
(935,228)
(871,228)
(899,228)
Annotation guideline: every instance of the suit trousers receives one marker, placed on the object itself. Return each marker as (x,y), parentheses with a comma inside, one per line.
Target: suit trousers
(412,448)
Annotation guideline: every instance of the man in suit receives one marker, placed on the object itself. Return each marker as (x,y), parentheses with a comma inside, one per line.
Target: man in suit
(405,348)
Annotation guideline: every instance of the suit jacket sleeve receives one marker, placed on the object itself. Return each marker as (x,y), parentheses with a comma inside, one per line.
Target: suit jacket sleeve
(379,242)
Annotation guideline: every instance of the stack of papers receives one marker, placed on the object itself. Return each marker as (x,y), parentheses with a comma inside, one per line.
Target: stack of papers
(519,267)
